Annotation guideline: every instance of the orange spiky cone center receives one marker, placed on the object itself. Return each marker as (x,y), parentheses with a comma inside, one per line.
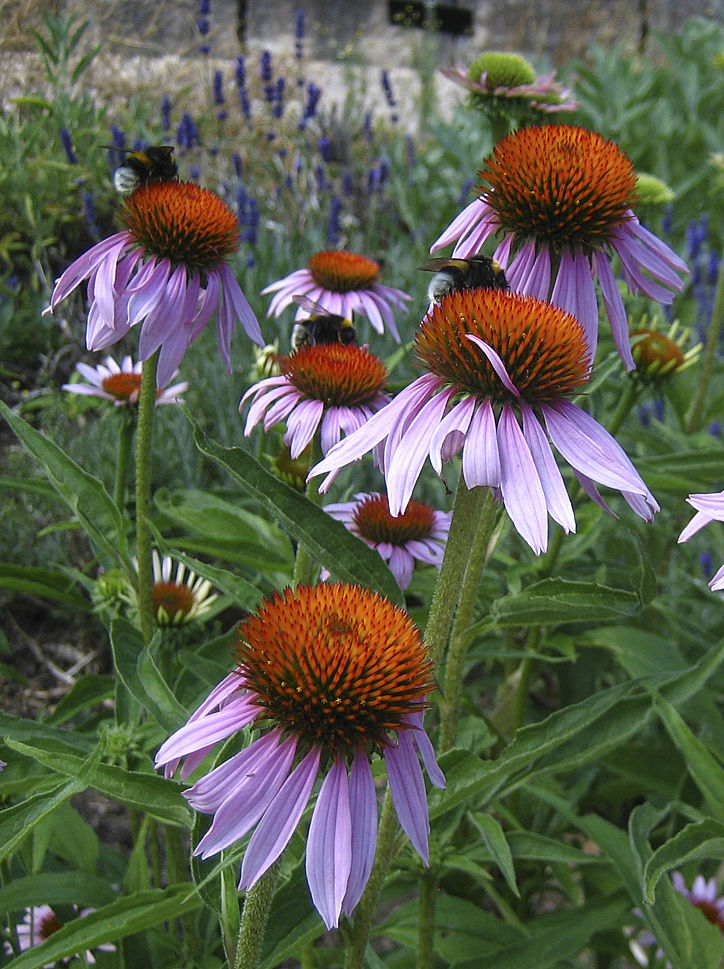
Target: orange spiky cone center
(542,346)
(122,386)
(374,522)
(563,185)
(181,222)
(341,375)
(343,272)
(337,665)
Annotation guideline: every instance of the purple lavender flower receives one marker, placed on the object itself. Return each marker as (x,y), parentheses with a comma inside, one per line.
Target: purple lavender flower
(67,142)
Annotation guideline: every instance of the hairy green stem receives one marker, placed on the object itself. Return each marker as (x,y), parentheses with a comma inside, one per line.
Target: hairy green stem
(387,848)
(123,453)
(144,454)
(254,918)
(712,343)
(465,518)
(178,870)
(455,667)
(426,919)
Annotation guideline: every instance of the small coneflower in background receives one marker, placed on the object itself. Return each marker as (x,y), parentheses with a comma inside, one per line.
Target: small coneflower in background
(178,597)
(703,895)
(334,387)
(506,84)
(121,383)
(166,270)
(559,201)
(658,354)
(709,507)
(343,283)
(501,369)
(41,922)
(331,675)
(418,534)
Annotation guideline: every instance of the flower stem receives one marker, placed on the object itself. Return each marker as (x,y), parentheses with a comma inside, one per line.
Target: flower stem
(123,452)
(712,343)
(144,442)
(465,518)
(386,851)
(254,918)
(454,669)
(426,919)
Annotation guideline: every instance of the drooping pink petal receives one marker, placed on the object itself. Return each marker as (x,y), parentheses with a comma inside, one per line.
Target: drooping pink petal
(615,309)
(248,799)
(329,847)
(495,362)
(405,466)
(520,483)
(456,421)
(211,790)
(557,500)
(589,448)
(407,787)
(575,292)
(207,730)
(481,458)
(363,806)
(280,819)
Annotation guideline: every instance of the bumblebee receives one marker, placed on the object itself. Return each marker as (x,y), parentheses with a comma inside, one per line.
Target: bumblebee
(320,326)
(453,275)
(152,164)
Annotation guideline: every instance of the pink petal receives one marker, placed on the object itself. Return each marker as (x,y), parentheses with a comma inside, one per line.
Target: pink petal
(329,849)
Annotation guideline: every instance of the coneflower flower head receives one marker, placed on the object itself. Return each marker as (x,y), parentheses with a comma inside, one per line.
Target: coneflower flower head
(660,355)
(709,507)
(505,84)
(561,198)
(418,534)
(335,387)
(165,270)
(501,369)
(121,383)
(343,283)
(331,675)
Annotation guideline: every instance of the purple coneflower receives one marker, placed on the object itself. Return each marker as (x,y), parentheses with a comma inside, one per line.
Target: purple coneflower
(167,271)
(333,386)
(497,360)
(511,78)
(121,383)
(561,199)
(41,922)
(709,508)
(333,674)
(419,534)
(343,283)
(181,597)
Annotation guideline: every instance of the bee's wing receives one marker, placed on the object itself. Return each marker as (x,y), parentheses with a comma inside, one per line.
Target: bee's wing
(437,264)
(309,305)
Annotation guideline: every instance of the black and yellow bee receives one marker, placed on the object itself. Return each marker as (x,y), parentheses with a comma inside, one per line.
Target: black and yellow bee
(152,164)
(453,275)
(320,326)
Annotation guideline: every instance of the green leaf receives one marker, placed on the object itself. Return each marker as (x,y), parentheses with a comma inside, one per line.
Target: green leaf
(126,916)
(146,792)
(17,821)
(700,839)
(142,678)
(555,601)
(498,847)
(84,494)
(552,937)
(706,771)
(86,692)
(56,888)
(579,734)
(326,540)
(44,583)
(18,728)
(253,540)
(638,651)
